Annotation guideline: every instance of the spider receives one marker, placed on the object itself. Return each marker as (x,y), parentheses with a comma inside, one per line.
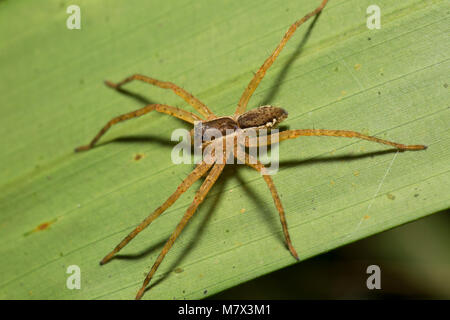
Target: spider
(262,117)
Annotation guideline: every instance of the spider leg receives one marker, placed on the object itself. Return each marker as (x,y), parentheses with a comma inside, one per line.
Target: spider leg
(189,98)
(259,75)
(173,111)
(292,134)
(196,174)
(257,165)
(199,197)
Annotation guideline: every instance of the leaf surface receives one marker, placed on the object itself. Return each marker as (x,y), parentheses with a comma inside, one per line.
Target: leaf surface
(58,208)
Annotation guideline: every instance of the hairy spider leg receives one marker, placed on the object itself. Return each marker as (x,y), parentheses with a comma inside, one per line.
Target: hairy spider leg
(259,75)
(189,98)
(210,179)
(173,111)
(196,174)
(292,134)
(257,165)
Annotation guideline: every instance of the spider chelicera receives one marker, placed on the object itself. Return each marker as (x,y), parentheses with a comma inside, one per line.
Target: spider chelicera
(262,117)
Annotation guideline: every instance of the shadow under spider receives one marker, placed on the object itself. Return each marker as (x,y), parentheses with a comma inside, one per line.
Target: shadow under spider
(282,74)
(144,138)
(135,96)
(162,141)
(343,158)
(219,187)
(233,171)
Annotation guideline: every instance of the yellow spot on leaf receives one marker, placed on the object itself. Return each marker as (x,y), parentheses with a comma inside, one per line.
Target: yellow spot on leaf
(138,156)
(357,66)
(390,196)
(242,210)
(41,227)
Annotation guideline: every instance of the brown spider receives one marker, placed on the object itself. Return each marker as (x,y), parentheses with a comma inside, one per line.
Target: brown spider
(258,118)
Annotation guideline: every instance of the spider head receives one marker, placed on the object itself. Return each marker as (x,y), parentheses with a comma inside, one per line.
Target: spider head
(262,117)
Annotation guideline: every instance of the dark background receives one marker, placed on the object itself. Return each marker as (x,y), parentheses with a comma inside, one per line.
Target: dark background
(414,260)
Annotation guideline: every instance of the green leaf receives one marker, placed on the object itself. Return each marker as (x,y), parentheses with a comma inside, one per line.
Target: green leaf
(58,208)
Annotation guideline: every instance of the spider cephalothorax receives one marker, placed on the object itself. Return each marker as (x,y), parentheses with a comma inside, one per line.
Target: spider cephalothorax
(262,117)
(259,118)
